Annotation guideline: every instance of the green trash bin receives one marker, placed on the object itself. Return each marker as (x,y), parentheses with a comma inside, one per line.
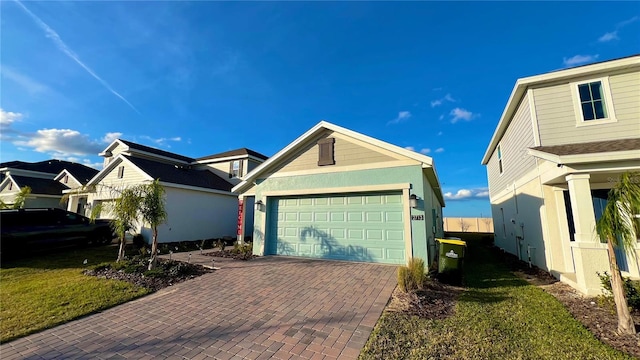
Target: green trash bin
(451,260)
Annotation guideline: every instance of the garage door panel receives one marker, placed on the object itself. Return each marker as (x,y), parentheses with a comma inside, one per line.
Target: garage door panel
(363,227)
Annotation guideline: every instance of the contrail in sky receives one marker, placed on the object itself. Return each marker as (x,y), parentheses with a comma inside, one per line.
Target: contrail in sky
(51,34)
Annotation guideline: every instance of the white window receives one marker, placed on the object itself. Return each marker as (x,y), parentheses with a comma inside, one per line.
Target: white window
(592,102)
(120,172)
(66,179)
(235,169)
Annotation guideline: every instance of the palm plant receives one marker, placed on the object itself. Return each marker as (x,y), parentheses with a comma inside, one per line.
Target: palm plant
(618,227)
(125,211)
(153,211)
(21,197)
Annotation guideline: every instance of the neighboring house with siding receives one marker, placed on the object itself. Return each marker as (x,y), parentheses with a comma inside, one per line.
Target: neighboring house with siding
(336,194)
(199,201)
(563,140)
(47,179)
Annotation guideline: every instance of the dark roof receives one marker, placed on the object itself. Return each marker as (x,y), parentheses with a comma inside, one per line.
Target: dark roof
(40,186)
(156,151)
(182,175)
(83,175)
(52,166)
(236,152)
(591,147)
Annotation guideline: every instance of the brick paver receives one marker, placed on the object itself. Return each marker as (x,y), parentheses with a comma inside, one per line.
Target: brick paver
(271,307)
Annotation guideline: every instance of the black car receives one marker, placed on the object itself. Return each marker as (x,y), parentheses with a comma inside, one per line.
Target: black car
(26,230)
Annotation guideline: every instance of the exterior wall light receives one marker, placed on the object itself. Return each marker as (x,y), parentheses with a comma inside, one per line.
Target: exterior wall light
(259,206)
(413,201)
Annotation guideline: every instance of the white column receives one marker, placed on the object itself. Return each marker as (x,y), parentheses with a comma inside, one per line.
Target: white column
(584,217)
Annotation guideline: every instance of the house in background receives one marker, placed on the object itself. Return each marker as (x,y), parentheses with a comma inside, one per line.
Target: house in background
(47,179)
(336,194)
(199,201)
(563,140)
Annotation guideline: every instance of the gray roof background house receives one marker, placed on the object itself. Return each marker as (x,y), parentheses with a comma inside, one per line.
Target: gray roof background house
(183,175)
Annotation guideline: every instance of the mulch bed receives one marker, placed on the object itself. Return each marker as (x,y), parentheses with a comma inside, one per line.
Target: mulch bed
(595,314)
(436,301)
(231,254)
(152,283)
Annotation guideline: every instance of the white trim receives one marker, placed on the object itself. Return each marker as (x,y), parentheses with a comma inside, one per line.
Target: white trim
(29,173)
(608,103)
(587,158)
(338,190)
(408,232)
(7,179)
(629,64)
(336,169)
(113,164)
(534,117)
(318,129)
(57,178)
(196,188)
(228,158)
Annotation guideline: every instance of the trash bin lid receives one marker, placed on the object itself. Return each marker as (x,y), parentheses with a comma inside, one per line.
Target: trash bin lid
(452,241)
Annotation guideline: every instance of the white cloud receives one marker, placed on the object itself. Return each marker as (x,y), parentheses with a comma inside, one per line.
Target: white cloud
(439,150)
(110,137)
(162,141)
(61,142)
(441,117)
(579,59)
(402,116)
(467,194)
(439,133)
(7,118)
(458,114)
(410,148)
(627,22)
(53,35)
(440,101)
(425,151)
(609,36)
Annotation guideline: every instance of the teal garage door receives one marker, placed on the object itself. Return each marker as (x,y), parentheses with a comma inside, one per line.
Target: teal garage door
(357,227)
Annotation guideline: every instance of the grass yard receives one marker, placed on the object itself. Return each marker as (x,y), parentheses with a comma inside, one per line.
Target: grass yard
(500,316)
(40,292)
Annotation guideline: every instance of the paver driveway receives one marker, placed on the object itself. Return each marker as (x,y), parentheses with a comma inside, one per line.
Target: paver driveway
(271,307)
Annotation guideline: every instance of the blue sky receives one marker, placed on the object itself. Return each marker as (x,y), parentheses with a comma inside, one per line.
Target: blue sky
(197,78)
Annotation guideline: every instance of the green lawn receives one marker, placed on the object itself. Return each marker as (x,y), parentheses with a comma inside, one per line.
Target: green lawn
(42,291)
(500,317)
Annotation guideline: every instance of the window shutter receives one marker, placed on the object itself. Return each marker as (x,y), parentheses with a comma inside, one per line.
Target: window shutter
(230,169)
(240,168)
(325,152)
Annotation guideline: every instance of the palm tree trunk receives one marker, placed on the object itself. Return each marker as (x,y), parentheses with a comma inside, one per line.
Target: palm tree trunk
(625,322)
(121,250)
(154,249)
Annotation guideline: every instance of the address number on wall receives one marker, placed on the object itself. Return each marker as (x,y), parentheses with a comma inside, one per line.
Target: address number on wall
(417,217)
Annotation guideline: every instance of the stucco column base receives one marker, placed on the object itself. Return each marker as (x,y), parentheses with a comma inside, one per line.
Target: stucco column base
(589,259)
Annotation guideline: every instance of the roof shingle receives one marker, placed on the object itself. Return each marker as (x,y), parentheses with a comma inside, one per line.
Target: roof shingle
(180,174)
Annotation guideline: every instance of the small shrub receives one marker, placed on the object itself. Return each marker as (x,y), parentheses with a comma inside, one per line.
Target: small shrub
(404,279)
(416,268)
(630,289)
(412,276)
(120,265)
(138,241)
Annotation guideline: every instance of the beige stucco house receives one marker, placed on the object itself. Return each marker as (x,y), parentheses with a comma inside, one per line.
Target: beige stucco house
(561,143)
(199,201)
